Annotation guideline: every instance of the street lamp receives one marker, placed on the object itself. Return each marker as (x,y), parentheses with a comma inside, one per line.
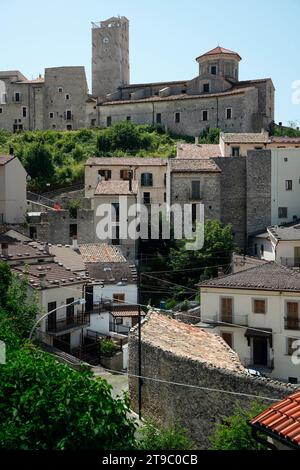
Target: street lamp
(75,302)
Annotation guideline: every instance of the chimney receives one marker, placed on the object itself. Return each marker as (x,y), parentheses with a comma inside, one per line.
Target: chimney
(42,278)
(130,180)
(11,151)
(196,140)
(75,244)
(4,249)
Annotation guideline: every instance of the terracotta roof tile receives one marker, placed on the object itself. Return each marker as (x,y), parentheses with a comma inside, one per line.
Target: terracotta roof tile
(189,341)
(239,138)
(198,150)
(126,311)
(219,50)
(126,161)
(268,276)
(101,252)
(113,187)
(54,274)
(281,420)
(193,165)
(4,159)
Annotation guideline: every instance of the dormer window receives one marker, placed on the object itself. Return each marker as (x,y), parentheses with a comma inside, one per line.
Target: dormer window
(213,69)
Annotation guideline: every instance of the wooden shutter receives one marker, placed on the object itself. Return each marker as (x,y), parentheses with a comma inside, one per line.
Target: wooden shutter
(226,309)
(259,306)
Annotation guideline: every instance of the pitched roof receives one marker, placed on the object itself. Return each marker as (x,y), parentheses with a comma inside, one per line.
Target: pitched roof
(285,233)
(219,50)
(193,165)
(126,161)
(112,273)
(198,150)
(68,257)
(115,187)
(54,274)
(4,159)
(281,421)
(285,140)
(126,311)
(240,138)
(189,341)
(101,253)
(268,276)
(23,251)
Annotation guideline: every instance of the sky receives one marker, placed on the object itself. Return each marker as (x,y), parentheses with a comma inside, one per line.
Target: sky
(165,38)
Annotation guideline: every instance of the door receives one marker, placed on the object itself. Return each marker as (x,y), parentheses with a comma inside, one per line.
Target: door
(297,256)
(292,315)
(89,298)
(226,310)
(70,311)
(260,351)
(52,316)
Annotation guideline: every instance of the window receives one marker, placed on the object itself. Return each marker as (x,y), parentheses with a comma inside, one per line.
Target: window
(51,115)
(32,232)
(67,97)
(108,121)
(53,126)
(146,179)
(228,338)
(285,159)
(24,112)
(205,88)
(194,213)
(60,90)
(213,69)
(235,151)
(165,179)
(226,309)
(116,211)
(288,185)
(293,380)
(228,113)
(118,298)
(128,118)
(292,318)
(70,310)
(106,174)
(1,110)
(165,197)
(177,118)
(147,198)
(68,115)
(255,249)
(258,148)
(205,115)
(282,212)
(119,321)
(196,190)
(158,118)
(93,122)
(124,175)
(262,250)
(69,127)
(17,96)
(259,306)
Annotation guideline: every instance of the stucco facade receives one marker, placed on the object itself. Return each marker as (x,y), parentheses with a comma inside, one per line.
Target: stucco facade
(12,190)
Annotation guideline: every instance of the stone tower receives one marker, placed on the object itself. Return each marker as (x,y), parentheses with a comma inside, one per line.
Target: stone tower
(110,55)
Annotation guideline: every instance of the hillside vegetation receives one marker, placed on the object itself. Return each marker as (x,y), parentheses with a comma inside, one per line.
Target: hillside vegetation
(57,157)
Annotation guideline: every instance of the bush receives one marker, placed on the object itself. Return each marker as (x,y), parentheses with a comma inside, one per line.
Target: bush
(166,438)
(108,348)
(235,434)
(45,405)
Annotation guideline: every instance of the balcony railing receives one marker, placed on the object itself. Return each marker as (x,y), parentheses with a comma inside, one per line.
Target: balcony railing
(290,262)
(291,323)
(234,319)
(77,321)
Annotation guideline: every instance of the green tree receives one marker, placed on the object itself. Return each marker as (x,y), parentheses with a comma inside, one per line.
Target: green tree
(5,282)
(45,405)
(39,162)
(235,434)
(211,136)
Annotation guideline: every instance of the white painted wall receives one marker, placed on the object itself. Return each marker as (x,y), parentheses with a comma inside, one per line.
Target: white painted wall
(274,319)
(282,170)
(13,203)
(130,292)
(100,322)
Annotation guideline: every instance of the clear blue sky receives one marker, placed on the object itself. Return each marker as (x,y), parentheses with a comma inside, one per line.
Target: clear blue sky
(165,38)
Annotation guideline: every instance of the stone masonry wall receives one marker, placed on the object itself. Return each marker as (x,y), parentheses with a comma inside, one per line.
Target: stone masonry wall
(196,410)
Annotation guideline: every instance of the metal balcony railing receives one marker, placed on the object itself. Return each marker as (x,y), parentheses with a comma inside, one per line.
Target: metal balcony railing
(77,321)
(234,319)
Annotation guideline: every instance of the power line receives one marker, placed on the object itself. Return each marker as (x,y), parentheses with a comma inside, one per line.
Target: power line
(181,384)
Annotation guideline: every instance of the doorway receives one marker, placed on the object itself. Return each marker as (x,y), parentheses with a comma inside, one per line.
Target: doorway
(260,351)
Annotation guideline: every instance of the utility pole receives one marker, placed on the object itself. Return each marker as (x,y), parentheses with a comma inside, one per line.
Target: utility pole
(140,382)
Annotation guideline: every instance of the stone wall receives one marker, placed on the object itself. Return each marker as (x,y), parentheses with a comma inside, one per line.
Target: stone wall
(196,410)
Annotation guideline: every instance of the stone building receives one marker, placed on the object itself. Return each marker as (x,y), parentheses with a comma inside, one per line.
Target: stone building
(179,363)
(61,100)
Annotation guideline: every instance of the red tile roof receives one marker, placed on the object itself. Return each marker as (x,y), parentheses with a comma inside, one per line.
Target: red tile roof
(281,420)
(219,50)
(126,311)
(285,140)
(5,159)
(115,188)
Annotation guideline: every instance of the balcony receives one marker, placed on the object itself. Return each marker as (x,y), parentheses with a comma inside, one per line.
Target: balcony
(290,262)
(119,328)
(77,321)
(291,323)
(234,319)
